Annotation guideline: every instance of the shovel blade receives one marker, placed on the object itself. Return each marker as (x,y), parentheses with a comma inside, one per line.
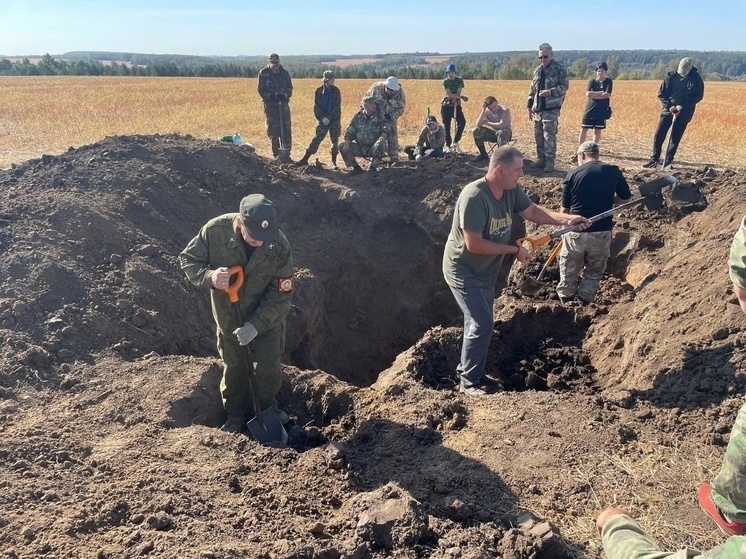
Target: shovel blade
(267,428)
(530,286)
(654,187)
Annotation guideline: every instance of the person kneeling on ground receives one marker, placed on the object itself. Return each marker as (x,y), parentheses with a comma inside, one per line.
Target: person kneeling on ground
(431,142)
(366,136)
(493,125)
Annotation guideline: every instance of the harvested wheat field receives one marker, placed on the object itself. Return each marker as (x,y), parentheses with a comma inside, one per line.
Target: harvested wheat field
(109,403)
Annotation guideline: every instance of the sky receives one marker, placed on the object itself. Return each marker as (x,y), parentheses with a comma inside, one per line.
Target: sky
(257,27)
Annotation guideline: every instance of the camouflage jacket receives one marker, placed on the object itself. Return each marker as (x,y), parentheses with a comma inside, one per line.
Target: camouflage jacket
(624,538)
(393,105)
(555,79)
(435,139)
(261,300)
(334,109)
(737,258)
(365,130)
(269,83)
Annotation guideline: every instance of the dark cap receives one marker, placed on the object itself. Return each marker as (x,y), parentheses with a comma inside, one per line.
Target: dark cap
(431,120)
(259,217)
(274,58)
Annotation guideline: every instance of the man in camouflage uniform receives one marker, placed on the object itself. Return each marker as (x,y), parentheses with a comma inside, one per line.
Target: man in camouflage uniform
(545,97)
(431,142)
(724,500)
(366,136)
(250,239)
(327,109)
(390,99)
(275,88)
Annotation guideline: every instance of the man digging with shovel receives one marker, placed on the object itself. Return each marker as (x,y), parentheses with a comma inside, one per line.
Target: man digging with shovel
(251,240)
(590,189)
(478,242)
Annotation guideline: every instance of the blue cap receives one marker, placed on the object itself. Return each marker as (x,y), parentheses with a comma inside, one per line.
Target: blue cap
(451,68)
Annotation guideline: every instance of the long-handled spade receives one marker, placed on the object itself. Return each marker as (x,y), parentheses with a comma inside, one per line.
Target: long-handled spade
(283,153)
(648,191)
(265,426)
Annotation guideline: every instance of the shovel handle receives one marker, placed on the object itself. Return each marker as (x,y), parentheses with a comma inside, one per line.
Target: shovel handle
(534,242)
(232,289)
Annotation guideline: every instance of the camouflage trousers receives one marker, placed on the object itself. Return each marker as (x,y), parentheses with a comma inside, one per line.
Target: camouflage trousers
(623,538)
(275,131)
(729,487)
(546,124)
(586,253)
(266,351)
(393,140)
(334,129)
(376,151)
(499,137)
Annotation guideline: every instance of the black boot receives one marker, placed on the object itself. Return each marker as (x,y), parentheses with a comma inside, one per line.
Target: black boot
(304,161)
(334,158)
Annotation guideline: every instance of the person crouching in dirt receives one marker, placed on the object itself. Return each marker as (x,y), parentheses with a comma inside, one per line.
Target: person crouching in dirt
(389,96)
(590,189)
(431,142)
(253,240)
(275,88)
(327,109)
(366,136)
(475,249)
(724,500)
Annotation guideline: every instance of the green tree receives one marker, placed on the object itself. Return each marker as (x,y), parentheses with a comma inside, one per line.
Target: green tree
(579,68)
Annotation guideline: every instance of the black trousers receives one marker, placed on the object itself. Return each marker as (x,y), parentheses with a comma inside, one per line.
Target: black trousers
(446,113)
(677,132)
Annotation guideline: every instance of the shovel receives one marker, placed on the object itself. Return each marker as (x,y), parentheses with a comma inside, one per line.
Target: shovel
(531,286)
(668,144)
(283,153)
(265,426)
(647,191)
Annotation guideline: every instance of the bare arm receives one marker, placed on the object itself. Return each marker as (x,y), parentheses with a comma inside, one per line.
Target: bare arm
(740,294)
(476,244)
(544,216)
(456,95)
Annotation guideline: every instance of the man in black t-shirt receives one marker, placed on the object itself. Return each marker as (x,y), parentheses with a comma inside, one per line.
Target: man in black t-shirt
(591,189)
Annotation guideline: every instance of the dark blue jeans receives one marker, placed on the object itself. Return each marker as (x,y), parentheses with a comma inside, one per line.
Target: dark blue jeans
(476,304)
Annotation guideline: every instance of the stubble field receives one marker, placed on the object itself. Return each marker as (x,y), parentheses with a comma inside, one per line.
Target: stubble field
(41,115)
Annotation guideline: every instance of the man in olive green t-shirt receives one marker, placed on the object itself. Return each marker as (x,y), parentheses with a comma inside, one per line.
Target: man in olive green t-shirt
(474,251)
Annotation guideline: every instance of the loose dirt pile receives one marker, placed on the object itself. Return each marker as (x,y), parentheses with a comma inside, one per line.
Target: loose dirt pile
(109,405)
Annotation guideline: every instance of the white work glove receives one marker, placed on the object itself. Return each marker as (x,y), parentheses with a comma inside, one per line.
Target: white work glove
(325,121)
(418,157)
(246,333)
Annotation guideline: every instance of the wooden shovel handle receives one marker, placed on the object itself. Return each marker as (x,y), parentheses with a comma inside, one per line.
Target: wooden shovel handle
(232,289)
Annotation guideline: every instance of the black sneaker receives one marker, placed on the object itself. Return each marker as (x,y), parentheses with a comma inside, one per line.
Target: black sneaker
(652,164)
(356,170)
(481,158)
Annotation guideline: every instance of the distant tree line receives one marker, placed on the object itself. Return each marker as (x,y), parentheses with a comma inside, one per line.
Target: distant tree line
(510,65)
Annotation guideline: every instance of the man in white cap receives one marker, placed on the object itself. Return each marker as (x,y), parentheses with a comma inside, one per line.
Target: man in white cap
(679,94)
(390,99)
(327,109)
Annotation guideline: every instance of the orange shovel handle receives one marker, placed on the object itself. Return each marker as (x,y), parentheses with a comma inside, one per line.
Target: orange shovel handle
(535,242)
(232,289)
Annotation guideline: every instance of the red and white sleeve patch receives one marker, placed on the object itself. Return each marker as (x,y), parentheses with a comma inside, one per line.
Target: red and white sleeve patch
(286,285)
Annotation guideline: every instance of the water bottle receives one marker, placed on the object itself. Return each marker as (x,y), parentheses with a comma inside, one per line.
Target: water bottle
(237,141)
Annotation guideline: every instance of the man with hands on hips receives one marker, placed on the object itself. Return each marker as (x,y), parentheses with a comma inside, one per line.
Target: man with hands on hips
(476,245)
(253,240)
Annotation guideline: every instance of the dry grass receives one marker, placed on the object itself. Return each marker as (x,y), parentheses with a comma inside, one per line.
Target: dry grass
(41,115)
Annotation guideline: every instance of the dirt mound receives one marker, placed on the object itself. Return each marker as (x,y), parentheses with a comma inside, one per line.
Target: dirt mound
(109,401)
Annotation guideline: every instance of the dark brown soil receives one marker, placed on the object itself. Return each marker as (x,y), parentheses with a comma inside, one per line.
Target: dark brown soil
(109,405)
